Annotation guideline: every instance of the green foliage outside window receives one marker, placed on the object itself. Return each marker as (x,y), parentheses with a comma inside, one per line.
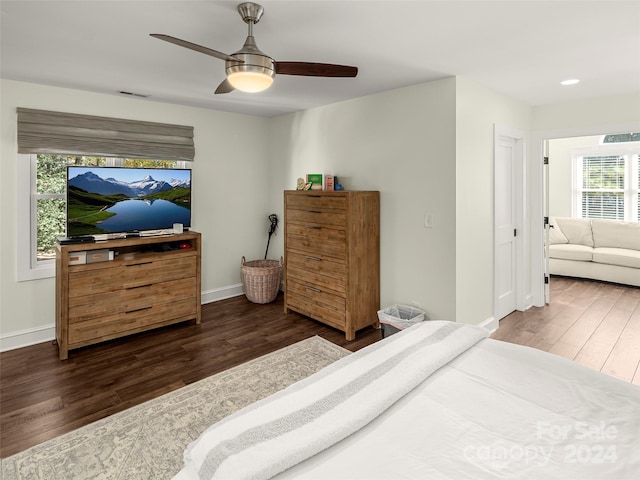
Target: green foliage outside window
(51,180)
(51,224)
(603,172)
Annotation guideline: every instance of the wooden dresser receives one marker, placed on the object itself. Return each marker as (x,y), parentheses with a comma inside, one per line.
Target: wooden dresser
(150,282)
(332,257)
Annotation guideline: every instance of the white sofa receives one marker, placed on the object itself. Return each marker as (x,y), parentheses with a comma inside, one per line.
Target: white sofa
(607,250)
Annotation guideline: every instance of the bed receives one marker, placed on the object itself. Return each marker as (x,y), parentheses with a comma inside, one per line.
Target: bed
(437,400)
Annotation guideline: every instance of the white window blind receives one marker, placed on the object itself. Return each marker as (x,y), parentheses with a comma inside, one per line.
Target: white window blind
(602,187)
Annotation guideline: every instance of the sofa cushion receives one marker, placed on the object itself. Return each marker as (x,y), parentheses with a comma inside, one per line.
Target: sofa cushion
(555,233)
(577,230)
(569,251)
(616,234)
(617,256)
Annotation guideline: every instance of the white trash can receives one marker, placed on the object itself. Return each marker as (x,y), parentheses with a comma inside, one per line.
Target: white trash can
(398,317)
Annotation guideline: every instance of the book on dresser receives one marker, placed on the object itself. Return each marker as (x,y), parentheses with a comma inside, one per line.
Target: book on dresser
(332,257)
(140,284)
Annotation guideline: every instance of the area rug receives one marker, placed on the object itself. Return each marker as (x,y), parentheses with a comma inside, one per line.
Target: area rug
(147,441)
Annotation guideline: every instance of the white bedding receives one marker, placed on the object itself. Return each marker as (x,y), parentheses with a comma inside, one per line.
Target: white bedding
(496,411)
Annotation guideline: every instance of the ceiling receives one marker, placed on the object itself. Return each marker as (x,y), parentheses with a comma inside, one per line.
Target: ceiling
(521,48)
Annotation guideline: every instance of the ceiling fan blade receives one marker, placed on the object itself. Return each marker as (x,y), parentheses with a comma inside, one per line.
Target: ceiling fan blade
(309,69)
(224,87)
(195,46)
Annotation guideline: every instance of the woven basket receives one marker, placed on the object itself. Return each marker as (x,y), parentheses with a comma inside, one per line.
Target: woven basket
(261,279)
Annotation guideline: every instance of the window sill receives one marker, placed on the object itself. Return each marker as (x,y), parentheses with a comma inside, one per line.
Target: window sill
(38,273)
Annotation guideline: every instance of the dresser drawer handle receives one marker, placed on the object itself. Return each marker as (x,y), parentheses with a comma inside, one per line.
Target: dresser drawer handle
(136,264)
(313,289)
(313,211)
(140,286)
(138,309)
(313,227)
(316,259)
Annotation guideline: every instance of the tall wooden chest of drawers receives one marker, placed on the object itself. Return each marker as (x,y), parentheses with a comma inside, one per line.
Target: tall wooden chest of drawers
(332,257)
(150,283)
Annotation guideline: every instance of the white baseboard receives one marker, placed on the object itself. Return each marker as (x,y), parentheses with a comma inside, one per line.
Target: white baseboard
(222,293)
(24,338)
(32,336)
(490,324)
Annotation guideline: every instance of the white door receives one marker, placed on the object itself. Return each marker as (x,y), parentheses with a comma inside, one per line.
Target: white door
(505,226)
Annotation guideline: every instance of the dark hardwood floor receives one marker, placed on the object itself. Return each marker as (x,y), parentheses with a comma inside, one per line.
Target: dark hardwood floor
(594,323)
(42,397)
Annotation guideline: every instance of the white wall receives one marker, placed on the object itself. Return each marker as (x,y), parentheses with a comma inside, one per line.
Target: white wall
(400,142)
(230,183)
(478,110)
(584,117)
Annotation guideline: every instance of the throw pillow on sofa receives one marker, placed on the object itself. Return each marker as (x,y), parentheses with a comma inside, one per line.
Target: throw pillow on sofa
(577,230)
(555,234)
(616,234)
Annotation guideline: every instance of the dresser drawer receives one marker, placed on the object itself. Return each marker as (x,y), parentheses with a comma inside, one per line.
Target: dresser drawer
(111,326)
(323,272)
(323,203)
(130,299)
(317,217)
(129,274)
(314,240)
(316,303)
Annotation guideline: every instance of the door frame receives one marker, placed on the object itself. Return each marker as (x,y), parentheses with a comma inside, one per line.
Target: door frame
(536,173)
(519,209)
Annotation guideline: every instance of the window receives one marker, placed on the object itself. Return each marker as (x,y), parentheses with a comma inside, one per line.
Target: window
(607,184)
(42,208)
(41,174)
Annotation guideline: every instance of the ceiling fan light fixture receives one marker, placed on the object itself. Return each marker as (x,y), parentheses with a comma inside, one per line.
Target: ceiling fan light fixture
(253,71)
(251,81)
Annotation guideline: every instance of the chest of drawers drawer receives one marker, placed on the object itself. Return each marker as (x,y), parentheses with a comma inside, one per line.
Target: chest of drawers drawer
(322,272)
(312,202)
(115,325)
(127,300)
(316,240)
(106,278)
(322,305)
(318,218)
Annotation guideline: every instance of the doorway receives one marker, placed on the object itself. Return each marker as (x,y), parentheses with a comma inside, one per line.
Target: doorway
(539,207)
(509,193)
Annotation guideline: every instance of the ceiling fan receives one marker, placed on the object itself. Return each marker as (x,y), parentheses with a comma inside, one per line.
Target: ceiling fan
(250,70)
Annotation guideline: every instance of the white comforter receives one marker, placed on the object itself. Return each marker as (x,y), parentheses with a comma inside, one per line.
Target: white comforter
(496,411)
(310,416)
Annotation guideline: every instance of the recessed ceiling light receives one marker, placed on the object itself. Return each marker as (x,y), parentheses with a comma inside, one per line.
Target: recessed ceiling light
(571,81)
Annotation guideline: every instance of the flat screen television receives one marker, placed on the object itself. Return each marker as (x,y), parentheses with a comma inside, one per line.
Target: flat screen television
(110,200)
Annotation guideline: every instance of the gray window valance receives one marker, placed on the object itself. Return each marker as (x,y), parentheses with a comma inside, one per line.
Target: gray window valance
(41,131)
